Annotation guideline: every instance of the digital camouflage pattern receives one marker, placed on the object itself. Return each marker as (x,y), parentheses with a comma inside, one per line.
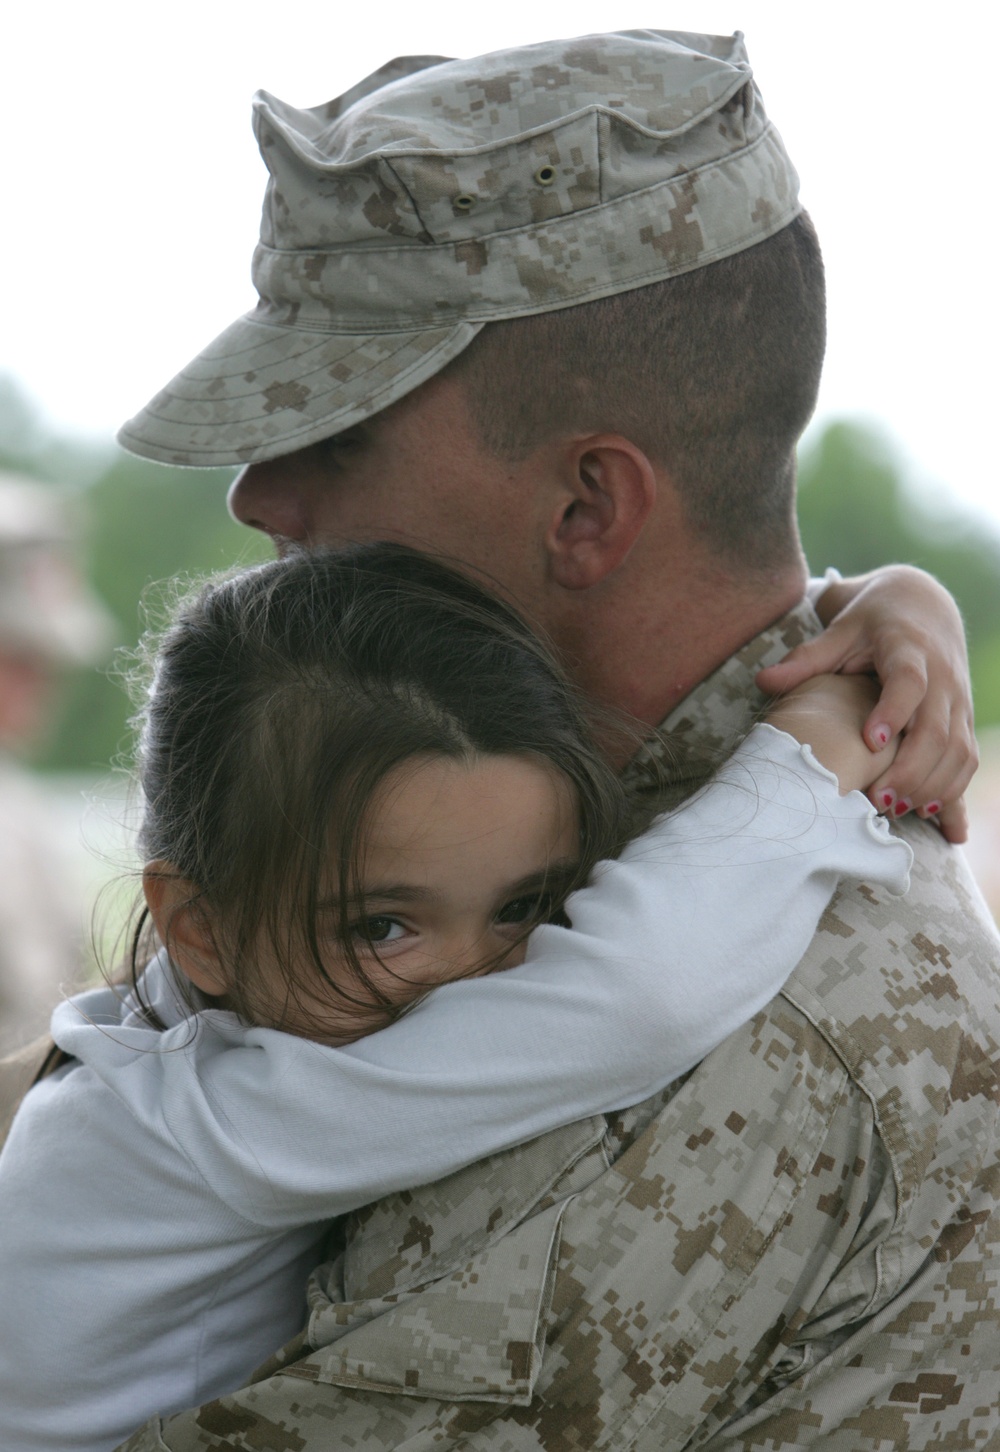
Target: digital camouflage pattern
(439,195)
(796,1246)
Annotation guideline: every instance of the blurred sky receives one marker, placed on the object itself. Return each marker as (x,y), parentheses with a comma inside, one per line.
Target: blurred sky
(133,186)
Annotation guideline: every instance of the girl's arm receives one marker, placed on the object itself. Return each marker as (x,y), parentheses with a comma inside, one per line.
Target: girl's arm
(902,625)
(674,946)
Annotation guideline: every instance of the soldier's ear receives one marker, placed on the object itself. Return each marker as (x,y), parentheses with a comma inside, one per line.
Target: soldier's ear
(607,492)
(184,926)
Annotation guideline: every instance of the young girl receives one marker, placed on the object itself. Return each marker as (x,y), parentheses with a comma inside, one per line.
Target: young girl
(363,778)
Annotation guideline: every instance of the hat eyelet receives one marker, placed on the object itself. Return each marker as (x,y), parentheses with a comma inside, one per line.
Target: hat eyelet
(545,176)
(464,203)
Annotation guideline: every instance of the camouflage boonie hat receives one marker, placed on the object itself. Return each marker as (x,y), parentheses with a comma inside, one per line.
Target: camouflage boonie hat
(439,195)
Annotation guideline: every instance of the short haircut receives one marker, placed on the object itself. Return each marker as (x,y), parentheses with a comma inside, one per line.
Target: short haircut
(714,374)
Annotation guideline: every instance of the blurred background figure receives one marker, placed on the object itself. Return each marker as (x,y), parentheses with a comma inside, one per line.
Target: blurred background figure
(49,622)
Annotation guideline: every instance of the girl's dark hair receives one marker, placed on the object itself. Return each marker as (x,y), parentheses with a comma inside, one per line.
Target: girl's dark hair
(282,696)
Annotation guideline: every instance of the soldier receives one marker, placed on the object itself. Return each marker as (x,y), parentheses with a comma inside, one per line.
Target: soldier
(49,622)
(557,313)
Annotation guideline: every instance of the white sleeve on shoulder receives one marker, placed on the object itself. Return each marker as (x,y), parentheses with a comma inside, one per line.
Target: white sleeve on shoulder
(672,947)
(817,584)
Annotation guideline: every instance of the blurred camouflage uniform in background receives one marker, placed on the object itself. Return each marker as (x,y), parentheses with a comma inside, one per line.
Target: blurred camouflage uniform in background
(49,622)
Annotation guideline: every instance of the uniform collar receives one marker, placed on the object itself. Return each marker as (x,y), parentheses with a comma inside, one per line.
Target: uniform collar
(707,725)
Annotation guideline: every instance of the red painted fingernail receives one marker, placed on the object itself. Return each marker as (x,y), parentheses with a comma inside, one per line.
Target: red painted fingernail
(881,735)
(887,798)
(901,807)
(933,808)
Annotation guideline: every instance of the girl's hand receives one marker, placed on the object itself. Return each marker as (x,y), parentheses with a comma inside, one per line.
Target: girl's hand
(902,626)
(827,713)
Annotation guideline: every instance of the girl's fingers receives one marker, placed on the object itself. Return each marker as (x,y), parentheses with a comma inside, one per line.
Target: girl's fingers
(902,627)
(908,785)
(952,818)
(954,822)
(813,658)
(904,692)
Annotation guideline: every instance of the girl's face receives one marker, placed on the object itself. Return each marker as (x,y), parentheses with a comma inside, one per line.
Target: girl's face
(458,857)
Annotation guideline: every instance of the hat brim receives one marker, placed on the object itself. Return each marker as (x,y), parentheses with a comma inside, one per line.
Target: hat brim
(262,389)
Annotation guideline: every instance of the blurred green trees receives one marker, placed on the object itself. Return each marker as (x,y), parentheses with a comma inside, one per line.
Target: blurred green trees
(148,523)
(856,512)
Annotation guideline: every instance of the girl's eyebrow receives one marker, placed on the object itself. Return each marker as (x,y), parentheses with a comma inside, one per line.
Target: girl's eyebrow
(382,892)
(553,875)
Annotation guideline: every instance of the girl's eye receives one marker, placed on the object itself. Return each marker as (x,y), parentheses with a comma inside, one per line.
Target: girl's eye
(538,908)
(378,929)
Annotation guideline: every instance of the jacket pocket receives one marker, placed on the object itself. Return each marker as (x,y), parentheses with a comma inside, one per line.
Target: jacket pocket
(473,1335)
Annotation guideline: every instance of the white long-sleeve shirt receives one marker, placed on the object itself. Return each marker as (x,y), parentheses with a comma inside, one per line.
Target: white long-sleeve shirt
(164,1197)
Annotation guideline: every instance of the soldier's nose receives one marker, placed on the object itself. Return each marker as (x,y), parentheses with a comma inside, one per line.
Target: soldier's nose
(267,497)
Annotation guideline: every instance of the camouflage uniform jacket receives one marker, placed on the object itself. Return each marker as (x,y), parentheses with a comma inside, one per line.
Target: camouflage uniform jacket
(797,1245)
